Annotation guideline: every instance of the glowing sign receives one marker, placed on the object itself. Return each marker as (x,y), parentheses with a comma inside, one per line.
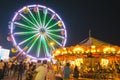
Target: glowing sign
(4,53)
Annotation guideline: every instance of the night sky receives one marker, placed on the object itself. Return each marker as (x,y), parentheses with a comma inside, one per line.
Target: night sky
(102,17)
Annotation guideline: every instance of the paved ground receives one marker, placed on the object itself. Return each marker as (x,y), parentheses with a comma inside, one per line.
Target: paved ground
(13,77)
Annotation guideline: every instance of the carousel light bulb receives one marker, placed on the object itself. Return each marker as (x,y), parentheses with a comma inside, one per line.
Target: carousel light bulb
(93,46)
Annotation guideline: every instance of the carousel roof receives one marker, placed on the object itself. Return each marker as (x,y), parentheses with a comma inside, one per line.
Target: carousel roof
(93,41)
(84,48)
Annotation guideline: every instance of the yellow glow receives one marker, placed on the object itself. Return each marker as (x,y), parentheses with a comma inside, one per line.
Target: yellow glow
(113,49)
(78,49)
(109,49)
(104,62)
(93,46)
(52,43)
(26,47)
(78,61)
(98,50)
(59,24)
(64,48)
(118,52)
(26,9)
(14,50)
(93,50)
(57,52)
(64,51)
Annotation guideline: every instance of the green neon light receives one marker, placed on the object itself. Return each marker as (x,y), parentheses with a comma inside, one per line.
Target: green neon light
(33,43)
(39,47)
(24,26)
(34,18)
(28,20)
(25,33)
(27,39)
(53,25)
(54,40)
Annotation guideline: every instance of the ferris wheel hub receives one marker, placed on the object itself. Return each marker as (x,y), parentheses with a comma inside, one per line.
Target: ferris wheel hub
(42,30)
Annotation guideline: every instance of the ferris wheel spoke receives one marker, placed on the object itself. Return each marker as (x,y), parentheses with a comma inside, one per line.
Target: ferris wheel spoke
(58,36)
(45,45)
(24,26)
(53,25)
(45,14)
(56,30)
(49,20)
(26,40)
(39,17)
(53,47)
(54,40)
(39,47)
(32,43)
(28,20)
(34,18)
(25,33)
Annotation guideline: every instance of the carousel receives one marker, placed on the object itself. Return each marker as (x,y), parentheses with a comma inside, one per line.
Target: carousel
(93,56)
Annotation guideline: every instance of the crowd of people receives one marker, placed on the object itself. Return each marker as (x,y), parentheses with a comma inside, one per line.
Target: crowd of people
(42,70)
(11,68)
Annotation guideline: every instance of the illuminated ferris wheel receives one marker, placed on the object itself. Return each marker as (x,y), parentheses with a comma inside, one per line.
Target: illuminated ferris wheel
(36,30)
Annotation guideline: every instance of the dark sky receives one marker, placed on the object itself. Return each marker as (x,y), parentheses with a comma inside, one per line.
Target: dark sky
(102,17)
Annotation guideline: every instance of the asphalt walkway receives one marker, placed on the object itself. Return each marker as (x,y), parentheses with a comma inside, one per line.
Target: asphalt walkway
(13,77)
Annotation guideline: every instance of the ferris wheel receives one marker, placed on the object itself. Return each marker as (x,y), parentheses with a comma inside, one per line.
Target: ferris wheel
(36,30)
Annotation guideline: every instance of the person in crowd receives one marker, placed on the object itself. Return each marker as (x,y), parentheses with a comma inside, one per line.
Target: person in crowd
(41,71)
(50,72)
(67,71)
(5,68)
(59,75)
(76,73)
(33,66)
(1,69)
(9,67)
(15,68)
(29,73)
(21,69)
